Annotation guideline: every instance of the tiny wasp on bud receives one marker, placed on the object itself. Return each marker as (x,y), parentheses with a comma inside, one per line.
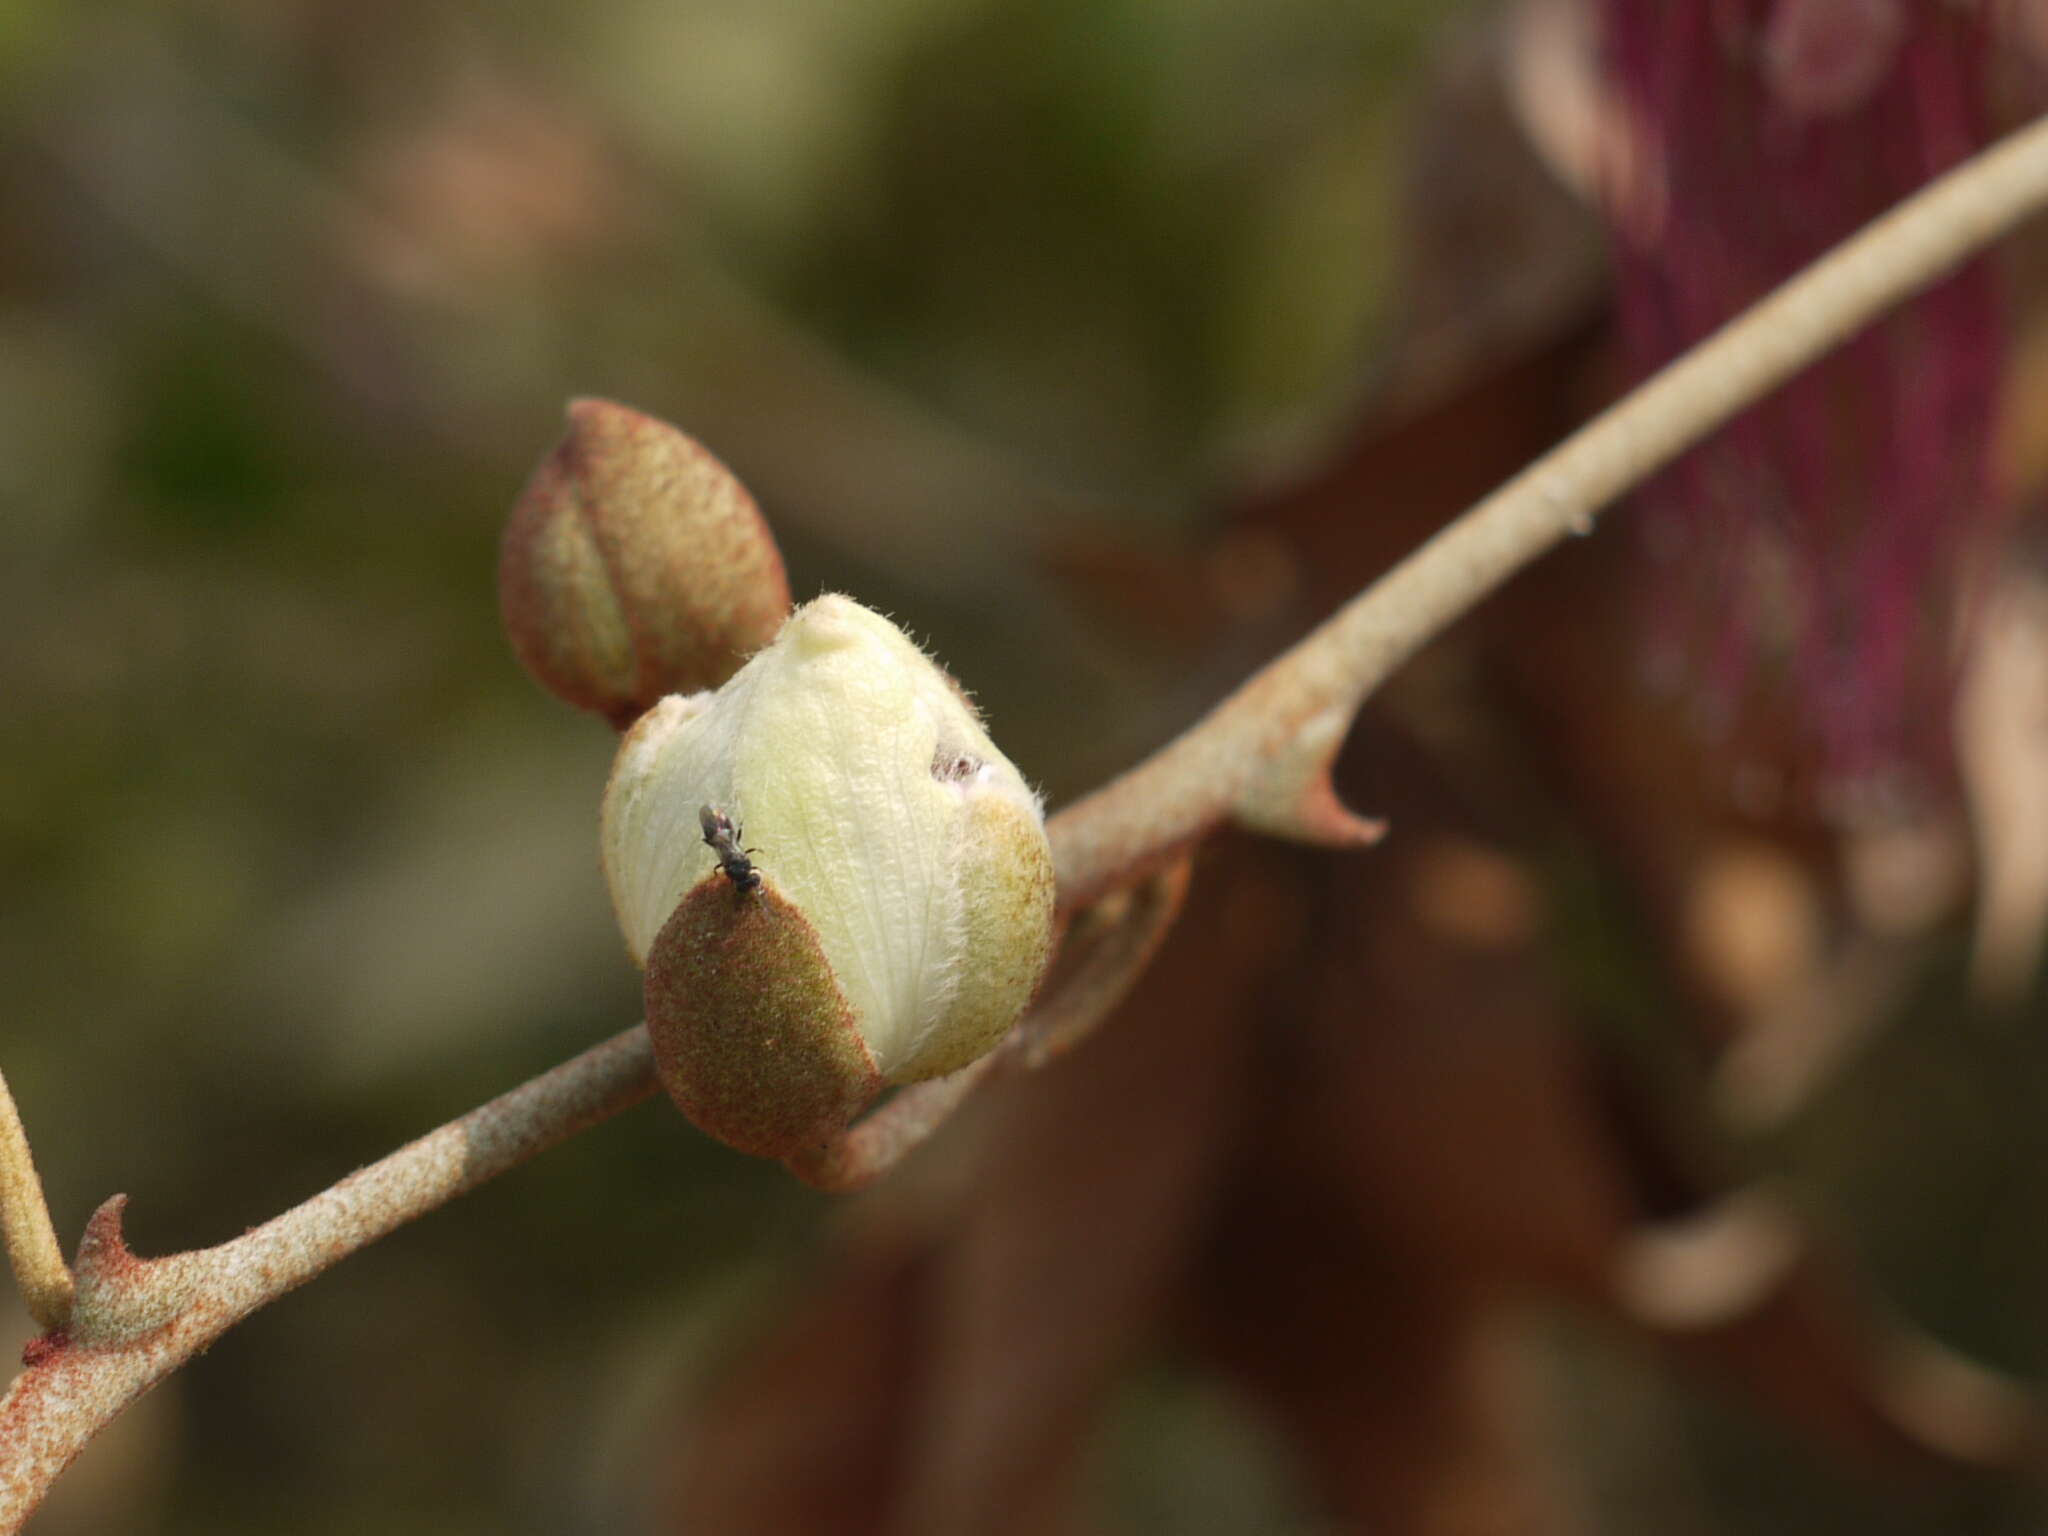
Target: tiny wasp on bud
(723,837)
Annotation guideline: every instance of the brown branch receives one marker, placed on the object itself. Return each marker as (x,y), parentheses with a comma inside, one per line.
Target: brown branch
(137,1320)
(1261,758)
(32,1251)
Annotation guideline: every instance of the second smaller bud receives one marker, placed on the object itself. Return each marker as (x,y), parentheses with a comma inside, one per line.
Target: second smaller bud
(635,565)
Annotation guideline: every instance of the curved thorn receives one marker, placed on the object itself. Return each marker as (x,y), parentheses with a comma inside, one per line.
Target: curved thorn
(104,1248)
(1290,795)
(119,1298)
(1314,815)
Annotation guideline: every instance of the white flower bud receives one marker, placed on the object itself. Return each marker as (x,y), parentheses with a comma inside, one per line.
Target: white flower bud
(881,911)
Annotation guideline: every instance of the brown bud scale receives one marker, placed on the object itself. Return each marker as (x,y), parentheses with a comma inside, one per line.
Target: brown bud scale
(752,1037)
(635,565)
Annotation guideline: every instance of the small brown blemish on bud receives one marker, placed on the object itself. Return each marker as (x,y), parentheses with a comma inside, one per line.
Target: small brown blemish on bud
(44,1348)
(752,1037)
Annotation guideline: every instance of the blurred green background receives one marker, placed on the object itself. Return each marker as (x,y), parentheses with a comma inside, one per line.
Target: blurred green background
(295,863)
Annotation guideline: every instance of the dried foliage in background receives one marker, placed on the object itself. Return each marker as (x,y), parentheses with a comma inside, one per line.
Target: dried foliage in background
(1607,974)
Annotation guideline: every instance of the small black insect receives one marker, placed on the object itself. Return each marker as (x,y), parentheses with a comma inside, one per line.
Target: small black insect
(723,836)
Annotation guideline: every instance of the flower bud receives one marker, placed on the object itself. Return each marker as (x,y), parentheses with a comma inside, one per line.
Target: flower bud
(635,565)
(833,878)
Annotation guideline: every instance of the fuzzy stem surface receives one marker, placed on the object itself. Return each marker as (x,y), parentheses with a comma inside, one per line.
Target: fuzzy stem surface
(40,1273)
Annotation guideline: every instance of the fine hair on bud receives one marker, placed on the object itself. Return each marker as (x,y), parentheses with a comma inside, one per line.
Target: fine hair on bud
(898,857)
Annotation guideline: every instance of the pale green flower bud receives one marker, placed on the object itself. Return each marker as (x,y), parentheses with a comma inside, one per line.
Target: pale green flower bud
(833,878)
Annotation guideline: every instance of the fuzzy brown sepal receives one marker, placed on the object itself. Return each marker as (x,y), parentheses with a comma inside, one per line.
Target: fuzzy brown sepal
(752,1037)
(635,565)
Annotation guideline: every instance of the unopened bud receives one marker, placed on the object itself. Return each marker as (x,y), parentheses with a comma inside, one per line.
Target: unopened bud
(635,566)
(833,878)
